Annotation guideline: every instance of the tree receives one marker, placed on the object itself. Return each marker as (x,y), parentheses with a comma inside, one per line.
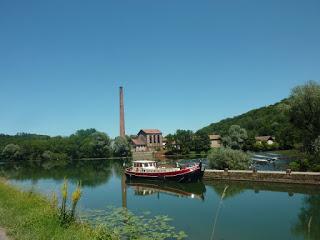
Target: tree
(236,138)
(170,144)
(12,152)
(96,145)
(316,150)
(184,140)
(201,141)
(121,147)
(304,112)
(220,158)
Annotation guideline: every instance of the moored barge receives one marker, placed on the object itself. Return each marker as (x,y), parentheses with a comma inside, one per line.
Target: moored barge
(145,169)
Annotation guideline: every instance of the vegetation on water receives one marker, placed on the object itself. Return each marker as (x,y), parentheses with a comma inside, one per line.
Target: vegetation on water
(127,225)
(32,216)
(221,158)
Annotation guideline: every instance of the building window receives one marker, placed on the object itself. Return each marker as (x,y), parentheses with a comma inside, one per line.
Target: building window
(154,139)
(150,139)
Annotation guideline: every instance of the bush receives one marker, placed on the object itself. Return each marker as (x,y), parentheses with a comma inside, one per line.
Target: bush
(220,158)
(12,152)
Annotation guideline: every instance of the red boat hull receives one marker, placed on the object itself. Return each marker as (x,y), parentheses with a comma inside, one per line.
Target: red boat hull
(190,174)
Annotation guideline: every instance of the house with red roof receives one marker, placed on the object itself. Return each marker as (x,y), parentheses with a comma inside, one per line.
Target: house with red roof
(147,140)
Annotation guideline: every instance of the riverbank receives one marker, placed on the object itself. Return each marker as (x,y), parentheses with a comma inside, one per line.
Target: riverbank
(264,176)
(30,216)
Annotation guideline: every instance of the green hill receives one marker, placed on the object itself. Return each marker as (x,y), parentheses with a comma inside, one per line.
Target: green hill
(270,120)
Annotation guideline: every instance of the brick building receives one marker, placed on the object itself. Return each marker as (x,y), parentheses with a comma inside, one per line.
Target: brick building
(147,140)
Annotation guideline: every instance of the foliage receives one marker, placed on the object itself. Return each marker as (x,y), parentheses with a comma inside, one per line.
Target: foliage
(130,226)
(87,143)
(49,156)
(264,146)
(220,158)
(236,137)
(96,145)
(304,112)
(12,152)
(121,147)
(201,142)
(184,139)
(272,120)
(316,147)
(170,145)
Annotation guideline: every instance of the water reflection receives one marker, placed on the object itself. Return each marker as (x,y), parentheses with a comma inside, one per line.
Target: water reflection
(90,173)
(308,224)
(145,188)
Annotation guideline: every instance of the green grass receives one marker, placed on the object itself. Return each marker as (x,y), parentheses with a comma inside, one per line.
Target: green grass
(29,216)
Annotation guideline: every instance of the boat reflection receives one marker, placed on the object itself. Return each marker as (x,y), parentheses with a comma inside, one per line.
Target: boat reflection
(194,190)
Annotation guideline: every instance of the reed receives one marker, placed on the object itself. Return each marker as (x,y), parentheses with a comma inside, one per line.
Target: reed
(76,195)
(67,215)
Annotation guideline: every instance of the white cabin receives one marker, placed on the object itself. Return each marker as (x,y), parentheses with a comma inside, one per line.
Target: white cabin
(145,164)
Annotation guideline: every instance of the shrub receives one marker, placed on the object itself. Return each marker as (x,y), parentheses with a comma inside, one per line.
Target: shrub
(220,158)
(12,152)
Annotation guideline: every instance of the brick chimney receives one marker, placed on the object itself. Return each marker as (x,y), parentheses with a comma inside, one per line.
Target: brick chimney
(122,128)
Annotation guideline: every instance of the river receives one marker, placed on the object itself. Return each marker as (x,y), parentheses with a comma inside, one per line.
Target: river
(204,210)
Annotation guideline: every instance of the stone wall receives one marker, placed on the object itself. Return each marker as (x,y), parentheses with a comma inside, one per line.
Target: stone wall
(142,155)
(263,176)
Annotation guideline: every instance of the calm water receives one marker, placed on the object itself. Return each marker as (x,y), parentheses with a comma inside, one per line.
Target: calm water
(248,210)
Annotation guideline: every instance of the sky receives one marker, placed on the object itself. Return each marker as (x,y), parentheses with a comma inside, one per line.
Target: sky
(183,64)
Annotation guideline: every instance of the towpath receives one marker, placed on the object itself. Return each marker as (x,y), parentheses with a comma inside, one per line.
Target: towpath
(3,235)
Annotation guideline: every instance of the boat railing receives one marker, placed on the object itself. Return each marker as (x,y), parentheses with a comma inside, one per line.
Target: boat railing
(162,170)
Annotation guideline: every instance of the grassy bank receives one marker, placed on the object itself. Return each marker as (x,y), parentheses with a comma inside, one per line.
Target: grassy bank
(29,216)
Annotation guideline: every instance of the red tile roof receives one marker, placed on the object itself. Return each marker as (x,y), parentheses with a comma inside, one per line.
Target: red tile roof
(137,141)
(151,131)
(264,138)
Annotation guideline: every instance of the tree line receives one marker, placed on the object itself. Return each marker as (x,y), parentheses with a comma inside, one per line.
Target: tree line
(88,143)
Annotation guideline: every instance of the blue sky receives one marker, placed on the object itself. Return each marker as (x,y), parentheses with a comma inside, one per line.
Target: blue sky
(183,64)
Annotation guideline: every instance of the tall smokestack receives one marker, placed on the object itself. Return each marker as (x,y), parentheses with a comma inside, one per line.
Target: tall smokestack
(122,129)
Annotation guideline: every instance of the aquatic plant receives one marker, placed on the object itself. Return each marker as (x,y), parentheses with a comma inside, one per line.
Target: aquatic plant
(127,225)
(76,195)
(66,216)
